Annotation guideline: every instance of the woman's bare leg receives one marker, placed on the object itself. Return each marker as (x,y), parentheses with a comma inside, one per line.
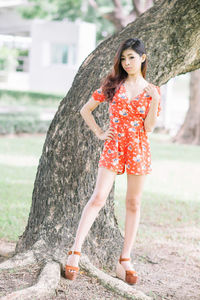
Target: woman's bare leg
(104,183)
(135,185)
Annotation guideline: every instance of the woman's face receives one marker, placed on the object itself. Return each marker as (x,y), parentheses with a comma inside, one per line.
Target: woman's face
(131,61)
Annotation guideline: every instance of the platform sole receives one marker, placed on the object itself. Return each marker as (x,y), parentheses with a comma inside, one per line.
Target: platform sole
(125,275)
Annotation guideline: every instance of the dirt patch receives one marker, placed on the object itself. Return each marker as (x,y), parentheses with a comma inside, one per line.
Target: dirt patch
(168,268)
(7,249)
(16,279)
(83,288)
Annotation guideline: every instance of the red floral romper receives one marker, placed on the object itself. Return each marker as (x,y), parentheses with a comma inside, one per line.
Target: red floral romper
(130,145)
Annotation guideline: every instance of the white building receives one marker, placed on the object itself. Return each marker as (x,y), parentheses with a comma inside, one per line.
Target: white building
(58,48)
(11,22)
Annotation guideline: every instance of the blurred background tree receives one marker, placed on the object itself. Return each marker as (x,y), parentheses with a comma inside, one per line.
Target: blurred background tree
(109,16)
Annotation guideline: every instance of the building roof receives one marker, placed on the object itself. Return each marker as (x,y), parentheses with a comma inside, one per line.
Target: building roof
(12,3)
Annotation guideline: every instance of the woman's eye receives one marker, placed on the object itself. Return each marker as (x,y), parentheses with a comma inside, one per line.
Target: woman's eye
(130,57)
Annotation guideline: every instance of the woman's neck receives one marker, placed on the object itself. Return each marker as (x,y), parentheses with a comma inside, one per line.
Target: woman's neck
(134,79)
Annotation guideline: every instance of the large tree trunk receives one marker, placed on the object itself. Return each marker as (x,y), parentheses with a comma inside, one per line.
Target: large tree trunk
(68,165)
(189,132)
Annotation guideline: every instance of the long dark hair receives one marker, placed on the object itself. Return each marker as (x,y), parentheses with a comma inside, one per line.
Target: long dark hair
(113,80)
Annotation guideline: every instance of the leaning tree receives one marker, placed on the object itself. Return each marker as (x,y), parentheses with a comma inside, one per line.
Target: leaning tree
(67,168)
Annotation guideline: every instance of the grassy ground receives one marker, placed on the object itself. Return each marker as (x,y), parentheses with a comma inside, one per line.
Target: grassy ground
(19,157)
(170,198)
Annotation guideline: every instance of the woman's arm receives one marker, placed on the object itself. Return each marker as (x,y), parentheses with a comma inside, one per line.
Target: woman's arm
(151,118)
(154,107)
(86,113)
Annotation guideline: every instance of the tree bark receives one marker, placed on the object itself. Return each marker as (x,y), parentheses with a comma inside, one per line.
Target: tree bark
(189,132)
(67,168)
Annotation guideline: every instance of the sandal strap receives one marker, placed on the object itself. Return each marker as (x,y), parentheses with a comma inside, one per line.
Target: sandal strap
(130,272)
(123,259)
(68,267)
(74,252)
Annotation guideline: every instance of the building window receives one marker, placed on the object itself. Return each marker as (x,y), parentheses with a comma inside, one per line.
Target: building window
(63,54)
(59,54)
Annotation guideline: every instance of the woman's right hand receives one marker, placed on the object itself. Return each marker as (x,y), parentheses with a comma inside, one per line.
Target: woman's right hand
(107,135)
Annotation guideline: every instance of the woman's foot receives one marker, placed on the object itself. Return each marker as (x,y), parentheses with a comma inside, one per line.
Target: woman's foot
(127,265)
(125,270)
(73,260)
(71,267)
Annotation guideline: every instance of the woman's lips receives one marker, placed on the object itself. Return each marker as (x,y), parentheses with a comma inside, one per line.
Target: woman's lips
(128,68)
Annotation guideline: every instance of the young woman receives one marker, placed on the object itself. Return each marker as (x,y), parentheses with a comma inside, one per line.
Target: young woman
(134,105)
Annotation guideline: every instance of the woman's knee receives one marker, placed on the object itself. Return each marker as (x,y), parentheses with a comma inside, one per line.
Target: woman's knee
(97,199)
(133,203)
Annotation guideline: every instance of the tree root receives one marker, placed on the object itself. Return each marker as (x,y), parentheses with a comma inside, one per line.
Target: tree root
(19,260)
(112,283)
(48,281)
(49,277)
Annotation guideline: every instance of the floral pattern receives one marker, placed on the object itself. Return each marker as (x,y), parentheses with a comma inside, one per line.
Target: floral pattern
(130,146)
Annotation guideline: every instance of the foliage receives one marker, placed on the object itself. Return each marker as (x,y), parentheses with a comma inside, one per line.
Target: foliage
(8,58)
(73,10)
(21,123)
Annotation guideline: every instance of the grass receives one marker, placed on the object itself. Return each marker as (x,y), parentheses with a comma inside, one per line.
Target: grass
(19,157)
(170,197)
(34,96)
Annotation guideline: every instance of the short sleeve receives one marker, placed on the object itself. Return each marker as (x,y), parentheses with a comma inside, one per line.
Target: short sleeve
(159,103)
(98,95)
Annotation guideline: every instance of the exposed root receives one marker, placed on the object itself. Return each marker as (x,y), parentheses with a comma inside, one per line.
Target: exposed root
(48,281)
(112,283)
(49,278)
(19,260)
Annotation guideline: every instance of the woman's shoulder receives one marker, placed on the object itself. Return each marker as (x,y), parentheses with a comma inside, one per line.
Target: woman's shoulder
(156,86)
(151,83)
